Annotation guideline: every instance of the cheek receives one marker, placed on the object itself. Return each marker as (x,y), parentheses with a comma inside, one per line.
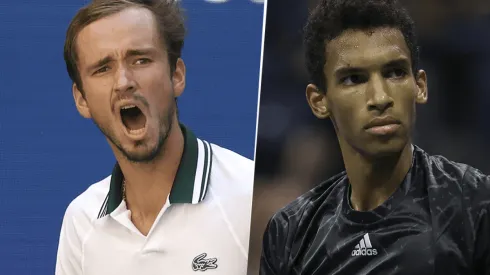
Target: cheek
(407,97)
(346,113)
(158,90)
(98,84)
(155,82)
(100,109)
(98,98)
(404,107)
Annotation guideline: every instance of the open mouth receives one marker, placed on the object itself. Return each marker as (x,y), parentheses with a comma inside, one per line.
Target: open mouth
(133,119)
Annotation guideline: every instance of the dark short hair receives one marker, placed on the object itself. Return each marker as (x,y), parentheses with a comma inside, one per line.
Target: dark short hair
(332,17)
(167,13)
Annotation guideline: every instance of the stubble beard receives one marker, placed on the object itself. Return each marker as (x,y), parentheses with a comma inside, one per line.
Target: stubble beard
(165,126)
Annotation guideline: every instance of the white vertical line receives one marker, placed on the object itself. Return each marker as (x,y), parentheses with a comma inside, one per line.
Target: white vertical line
(259,88)
(208,168)
(259,91)
(199,171)
(367,240)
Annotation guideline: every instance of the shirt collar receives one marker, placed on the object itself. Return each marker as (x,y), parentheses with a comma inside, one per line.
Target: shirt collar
(191,181)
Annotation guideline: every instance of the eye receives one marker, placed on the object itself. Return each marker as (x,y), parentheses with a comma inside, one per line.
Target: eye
(353,79)
(102,70)
(396,73)
(142,61)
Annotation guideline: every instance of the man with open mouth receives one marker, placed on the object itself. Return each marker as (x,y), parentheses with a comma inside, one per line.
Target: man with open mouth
(174,203)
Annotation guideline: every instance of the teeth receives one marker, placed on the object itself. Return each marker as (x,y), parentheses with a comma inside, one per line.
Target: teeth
(128,107)
(135,132)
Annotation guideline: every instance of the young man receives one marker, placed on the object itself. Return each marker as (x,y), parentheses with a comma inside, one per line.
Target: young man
(174,203)
(396,209)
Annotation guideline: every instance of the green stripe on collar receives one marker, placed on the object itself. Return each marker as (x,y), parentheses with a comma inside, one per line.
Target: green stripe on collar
(191,182)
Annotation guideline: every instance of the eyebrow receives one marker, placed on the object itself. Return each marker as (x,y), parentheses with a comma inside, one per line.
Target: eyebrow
(130,53)
(347,69)
(138,52)
(101,62)
(399,62)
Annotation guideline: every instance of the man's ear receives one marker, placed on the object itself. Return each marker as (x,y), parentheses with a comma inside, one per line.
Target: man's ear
(317,101)
(178,78)
(422,90)
(80,102)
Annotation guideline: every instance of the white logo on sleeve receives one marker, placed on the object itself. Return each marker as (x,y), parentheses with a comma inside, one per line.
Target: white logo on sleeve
(364,248)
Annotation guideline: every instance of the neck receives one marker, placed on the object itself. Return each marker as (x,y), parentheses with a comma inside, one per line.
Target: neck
(373,180)
(149,184)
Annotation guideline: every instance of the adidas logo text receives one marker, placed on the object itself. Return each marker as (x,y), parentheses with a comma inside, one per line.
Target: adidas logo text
(364,248)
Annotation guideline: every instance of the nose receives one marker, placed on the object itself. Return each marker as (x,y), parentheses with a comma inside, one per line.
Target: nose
(123,81)
(379,98)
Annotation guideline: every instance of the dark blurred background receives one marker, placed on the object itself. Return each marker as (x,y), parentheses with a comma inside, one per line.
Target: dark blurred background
(296,151)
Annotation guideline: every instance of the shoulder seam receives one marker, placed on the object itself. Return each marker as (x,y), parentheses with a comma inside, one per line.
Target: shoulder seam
(84,242)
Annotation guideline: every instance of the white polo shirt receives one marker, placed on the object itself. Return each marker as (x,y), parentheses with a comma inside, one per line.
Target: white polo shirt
(204,226)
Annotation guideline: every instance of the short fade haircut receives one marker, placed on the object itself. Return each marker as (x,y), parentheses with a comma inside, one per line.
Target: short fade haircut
(331,18)
(168,17)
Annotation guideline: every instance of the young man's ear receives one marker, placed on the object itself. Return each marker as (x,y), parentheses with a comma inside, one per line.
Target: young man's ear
(178,77)
(422,90)
(80,102)
(317,101)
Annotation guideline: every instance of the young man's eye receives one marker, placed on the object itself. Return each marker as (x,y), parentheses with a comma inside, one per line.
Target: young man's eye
(142,61)
(101,70)
(354,79)
(396,73)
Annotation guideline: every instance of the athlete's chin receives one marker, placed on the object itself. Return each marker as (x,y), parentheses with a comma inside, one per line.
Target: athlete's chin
(142,153)
(141,150)
(386,148)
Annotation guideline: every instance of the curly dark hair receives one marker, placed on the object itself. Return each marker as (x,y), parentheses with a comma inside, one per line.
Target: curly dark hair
(332,17)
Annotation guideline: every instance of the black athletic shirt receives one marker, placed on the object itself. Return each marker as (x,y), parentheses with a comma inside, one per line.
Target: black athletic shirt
(436,222)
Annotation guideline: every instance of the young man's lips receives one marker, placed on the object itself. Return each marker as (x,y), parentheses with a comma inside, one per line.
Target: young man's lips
(382,125)
(381,121)
(383,130)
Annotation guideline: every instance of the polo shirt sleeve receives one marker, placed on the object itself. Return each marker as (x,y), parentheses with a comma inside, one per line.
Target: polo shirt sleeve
(74,228)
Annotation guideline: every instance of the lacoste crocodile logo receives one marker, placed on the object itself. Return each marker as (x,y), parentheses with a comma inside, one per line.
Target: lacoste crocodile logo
(200,263)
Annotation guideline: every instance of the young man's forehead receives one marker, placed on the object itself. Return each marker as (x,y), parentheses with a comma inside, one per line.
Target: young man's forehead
(116,34)
(134,20)
(365,46)
(353,36)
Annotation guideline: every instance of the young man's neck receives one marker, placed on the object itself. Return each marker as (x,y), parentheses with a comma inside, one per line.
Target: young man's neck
(149,184)
(374,180)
